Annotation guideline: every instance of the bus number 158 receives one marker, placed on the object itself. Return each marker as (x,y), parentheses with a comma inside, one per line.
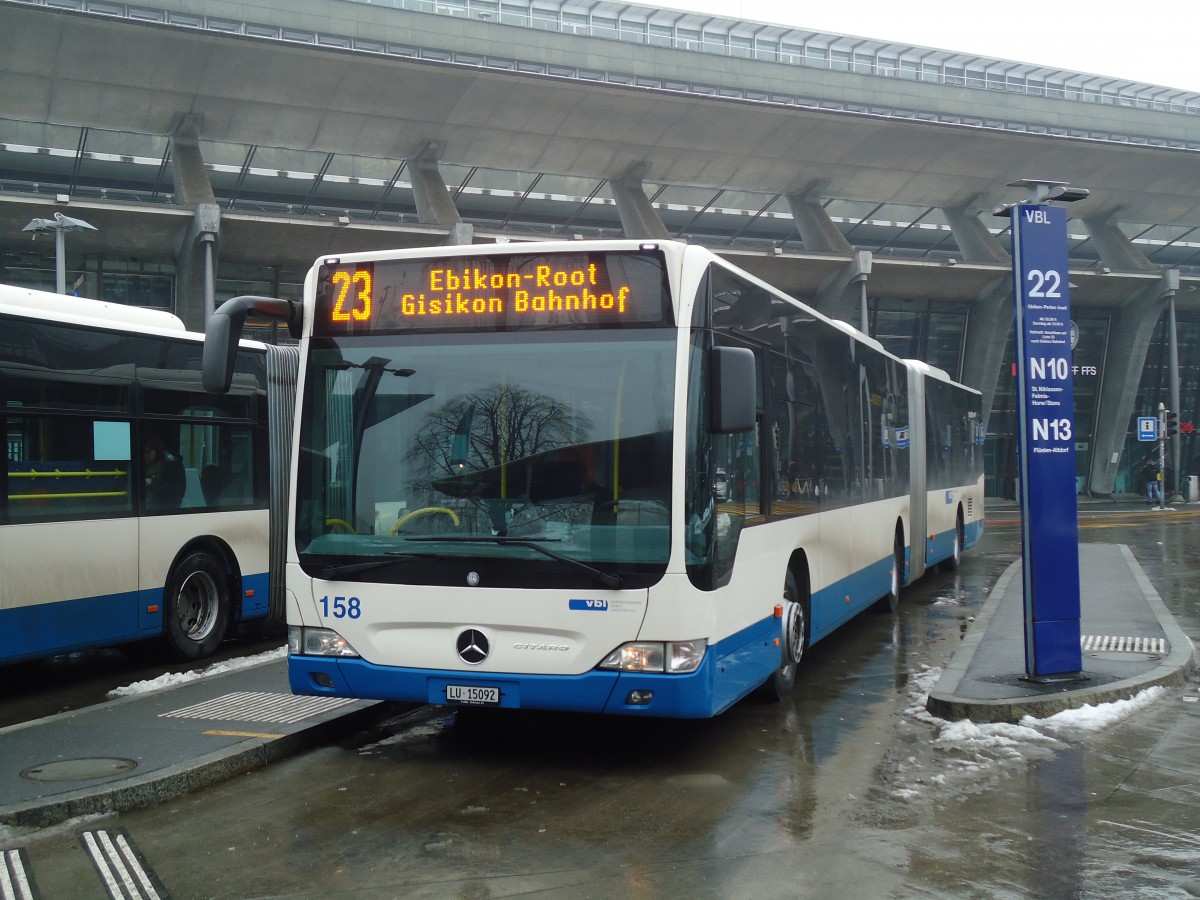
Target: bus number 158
(342,607)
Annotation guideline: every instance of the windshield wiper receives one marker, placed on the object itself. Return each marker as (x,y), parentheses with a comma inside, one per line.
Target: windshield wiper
(608,579)
(336,571)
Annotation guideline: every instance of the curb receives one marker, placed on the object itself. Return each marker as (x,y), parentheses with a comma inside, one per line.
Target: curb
(171,782)
(945,703)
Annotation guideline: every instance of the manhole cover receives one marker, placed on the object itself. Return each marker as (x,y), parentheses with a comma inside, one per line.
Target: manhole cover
(79,769)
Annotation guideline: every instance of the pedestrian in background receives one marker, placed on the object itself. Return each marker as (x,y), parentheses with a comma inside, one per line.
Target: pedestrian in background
(1153,476)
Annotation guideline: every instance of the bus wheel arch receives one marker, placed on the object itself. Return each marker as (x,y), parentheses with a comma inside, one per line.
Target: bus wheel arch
(198,600)
(797,615)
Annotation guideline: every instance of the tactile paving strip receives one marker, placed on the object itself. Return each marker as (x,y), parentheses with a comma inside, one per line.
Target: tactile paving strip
(256,706)
(1110,644)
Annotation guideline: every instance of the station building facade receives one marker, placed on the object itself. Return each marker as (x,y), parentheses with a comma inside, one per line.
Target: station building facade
(214,153)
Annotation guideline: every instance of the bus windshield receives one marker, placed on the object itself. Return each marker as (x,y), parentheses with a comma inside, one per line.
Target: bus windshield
(526,453)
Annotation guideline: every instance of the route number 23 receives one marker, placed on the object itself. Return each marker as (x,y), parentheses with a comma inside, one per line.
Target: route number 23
(360,305)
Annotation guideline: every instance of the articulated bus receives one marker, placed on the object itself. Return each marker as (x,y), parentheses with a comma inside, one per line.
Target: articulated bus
(134,503)
(619,477)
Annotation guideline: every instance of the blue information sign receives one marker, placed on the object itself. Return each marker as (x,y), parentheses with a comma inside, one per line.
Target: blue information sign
(1046,420)
(1147,428)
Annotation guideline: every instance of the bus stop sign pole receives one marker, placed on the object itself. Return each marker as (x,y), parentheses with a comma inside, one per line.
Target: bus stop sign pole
(1046,417)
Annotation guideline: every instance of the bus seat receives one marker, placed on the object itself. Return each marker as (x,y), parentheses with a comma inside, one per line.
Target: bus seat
(237,489)
(193,496)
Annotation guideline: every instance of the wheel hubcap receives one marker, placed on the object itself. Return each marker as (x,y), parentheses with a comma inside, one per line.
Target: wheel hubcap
(197,606)
(793,630)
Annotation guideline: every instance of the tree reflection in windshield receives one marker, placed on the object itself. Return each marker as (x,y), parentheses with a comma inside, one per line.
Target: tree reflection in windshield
(497,446)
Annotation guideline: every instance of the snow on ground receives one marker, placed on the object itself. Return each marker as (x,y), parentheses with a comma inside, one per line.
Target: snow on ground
(173,679)
(968,757)
(1100,716)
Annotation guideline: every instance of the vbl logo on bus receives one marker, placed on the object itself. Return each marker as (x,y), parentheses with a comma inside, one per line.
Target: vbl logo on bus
(591,605)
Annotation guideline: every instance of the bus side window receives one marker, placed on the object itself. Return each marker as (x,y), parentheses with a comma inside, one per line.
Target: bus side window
(67,467)
(220,468)
(212,483)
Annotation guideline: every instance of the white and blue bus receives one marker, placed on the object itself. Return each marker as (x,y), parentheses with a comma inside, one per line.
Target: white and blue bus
(619,477)
(134,504)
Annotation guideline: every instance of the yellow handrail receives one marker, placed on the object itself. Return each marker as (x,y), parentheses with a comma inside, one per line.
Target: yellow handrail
(58,473)
(65,496)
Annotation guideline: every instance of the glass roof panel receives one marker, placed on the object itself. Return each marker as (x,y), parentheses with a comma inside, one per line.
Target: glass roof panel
(850,210)
(679,195)
(32,134)
(223,153)
(345,165)
(124,143)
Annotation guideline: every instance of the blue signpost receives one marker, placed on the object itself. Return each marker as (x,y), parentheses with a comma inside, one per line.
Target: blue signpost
(1147,427)
(1046,417)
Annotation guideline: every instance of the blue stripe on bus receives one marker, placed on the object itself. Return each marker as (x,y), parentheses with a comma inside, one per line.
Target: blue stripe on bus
(940,546)
(973,531)
(28,632)
(831,607)
(731,669)
(256,606)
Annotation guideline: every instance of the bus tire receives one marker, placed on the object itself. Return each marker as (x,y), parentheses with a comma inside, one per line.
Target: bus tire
(952,563)
(889,601)
(196,607)
(795,639)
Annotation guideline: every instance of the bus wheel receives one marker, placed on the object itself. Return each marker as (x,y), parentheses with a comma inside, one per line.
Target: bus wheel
(952,564)
(196,607)
(795,639)
(889,601)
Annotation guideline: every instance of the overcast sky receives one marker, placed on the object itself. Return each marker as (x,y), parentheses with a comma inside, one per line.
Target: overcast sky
(1158,43)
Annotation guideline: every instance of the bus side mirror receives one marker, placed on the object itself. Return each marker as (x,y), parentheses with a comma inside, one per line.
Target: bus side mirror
(224,330)
(733,389)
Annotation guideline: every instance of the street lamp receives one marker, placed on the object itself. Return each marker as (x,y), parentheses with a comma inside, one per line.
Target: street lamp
(59,225)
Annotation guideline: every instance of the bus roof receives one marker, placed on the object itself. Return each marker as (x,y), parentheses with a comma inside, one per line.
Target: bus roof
(82,311)
(933,371)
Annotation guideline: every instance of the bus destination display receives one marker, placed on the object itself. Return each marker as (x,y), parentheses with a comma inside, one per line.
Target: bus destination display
(493,292)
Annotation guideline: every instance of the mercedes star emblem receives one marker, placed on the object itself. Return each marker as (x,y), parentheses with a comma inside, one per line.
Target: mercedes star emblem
(472,647)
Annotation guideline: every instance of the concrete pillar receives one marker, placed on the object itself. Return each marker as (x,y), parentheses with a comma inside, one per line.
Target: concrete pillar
(187,164)
(435,206)
(196,266)
(1116,251)
(462,233)
(974,240)
(196,245)
(840,294)
(988,329)
(817,230)
(638,217)
(1129,332)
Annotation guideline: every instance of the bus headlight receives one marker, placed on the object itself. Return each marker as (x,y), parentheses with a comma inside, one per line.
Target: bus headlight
(656,656)
(317,642)
(685,656)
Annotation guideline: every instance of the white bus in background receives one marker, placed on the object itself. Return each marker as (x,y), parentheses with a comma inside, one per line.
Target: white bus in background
(134,504)
(619,477)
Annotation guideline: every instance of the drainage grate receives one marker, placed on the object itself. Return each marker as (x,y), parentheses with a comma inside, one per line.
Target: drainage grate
(255,706)
(1110,644)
